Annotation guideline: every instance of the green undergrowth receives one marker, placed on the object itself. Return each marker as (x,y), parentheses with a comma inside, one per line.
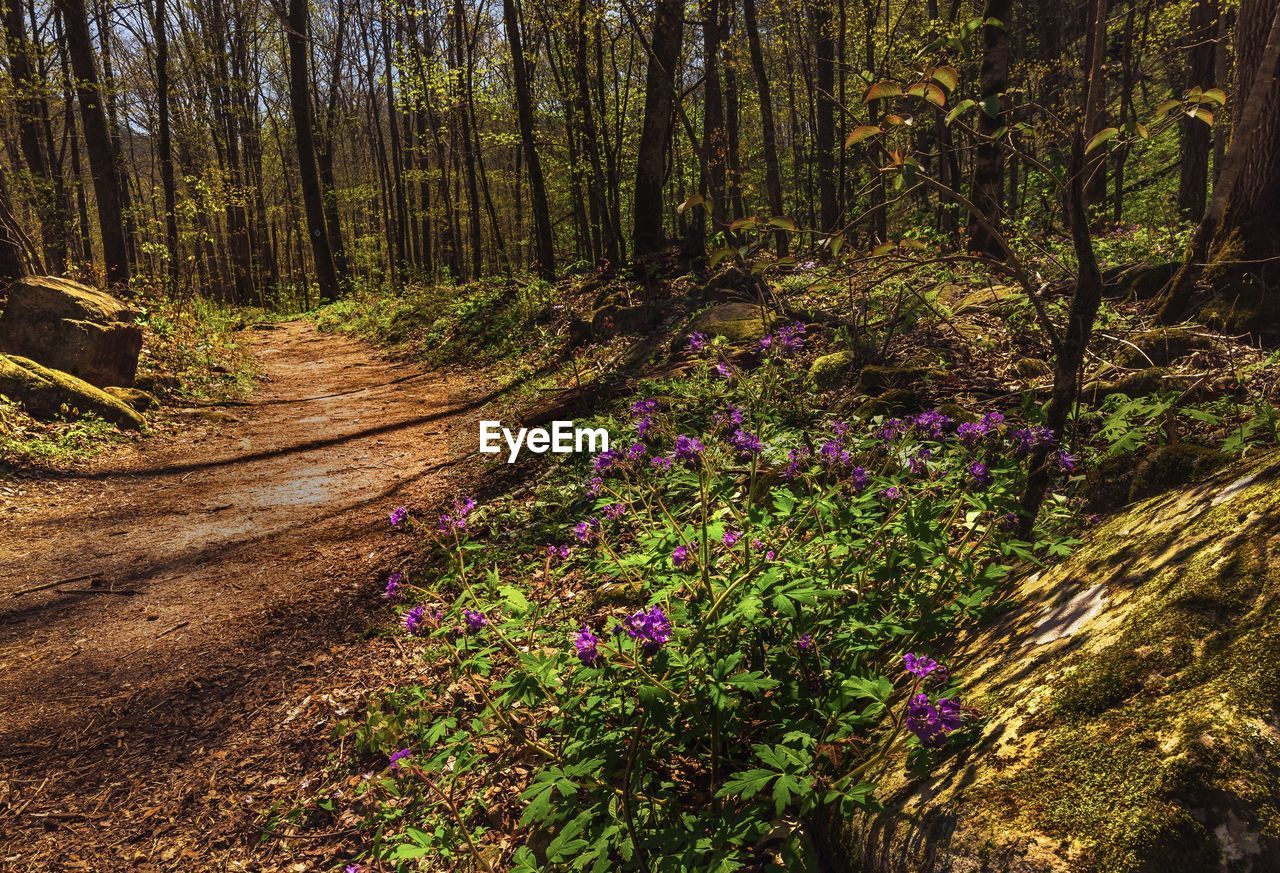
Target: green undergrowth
(28,443)
(768,566)
(196,349)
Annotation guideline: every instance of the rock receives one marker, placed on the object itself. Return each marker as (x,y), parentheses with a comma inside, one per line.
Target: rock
(1129,699)
(833,370)
(160,384)
(1161,347)
(876,379)
(733,280)
(1173,465)
(73,328)
(1107,483)
(1137,384)
(213,416)
(736,322)
(1032,368)
(134,398)
(896,401)
(43,392)
(998,300)
(1245,307)
(611,320)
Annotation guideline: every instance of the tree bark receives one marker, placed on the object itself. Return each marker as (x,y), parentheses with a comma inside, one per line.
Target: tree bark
(1193,175)
(987,189)
(160,27)
(820,21)
(768,135)
(99,143)
(545,247)
(655,132)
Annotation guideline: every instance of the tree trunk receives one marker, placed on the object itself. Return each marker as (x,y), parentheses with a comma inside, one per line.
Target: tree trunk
(655,131)
(1193,175)
(987,189)
(296,33)
(768,136)
(160,27)
(524,109)
(825,113)
(99,143)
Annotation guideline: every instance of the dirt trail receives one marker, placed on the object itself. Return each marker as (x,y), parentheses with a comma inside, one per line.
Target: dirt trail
(212,579)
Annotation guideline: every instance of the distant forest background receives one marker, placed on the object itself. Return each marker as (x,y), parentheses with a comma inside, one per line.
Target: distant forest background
(264,153)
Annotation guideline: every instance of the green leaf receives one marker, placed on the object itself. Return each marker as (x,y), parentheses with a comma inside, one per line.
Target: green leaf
(783,223)
(881,90)
(746,784)
(860,133)
(946,76)
(1101,137)
(960,108)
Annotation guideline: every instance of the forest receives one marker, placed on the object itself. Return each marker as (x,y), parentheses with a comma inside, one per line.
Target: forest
(936,347)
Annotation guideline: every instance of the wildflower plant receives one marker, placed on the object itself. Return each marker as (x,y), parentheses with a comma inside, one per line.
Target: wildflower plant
(786,590)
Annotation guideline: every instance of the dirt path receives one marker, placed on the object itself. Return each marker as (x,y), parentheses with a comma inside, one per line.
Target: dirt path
(212,579)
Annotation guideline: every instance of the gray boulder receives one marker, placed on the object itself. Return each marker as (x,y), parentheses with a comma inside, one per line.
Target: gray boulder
(73,328)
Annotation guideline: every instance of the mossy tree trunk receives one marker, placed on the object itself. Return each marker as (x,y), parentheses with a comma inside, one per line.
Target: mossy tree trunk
(1238,227)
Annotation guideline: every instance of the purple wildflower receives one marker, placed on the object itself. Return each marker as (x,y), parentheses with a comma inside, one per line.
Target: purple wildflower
(931,723)
(892,429)
(731,538)
(859,479)
(766,342)
(587,531)
(398,515)
(394,761)
(804,642)
(415,620)
(920,665)
(791,338)
(680,557)
(615,511)
(970,432)
(893,492)
(587,645)
(606,461)
(474,620)
(992,420)
(746,442)
(725,370)
(644,408)
(652,629)
(795,457)
(560,553)
(595,486)
(452,522)
(637,451)
(661,462)
(981,475)
(643,426)
(688,449)
(697,341)
(1066,462)
(918,463)
(833,453)
(932,423)
(1027,438)
(392,591)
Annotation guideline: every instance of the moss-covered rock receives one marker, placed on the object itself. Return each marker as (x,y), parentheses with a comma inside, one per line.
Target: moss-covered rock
(1130,698)
(833,370)
(44,392)
(1032,368)
(998,300)
(1139,383)
(736,322)
(1173,465)
(1143,282)
(877,379)
(1244,307)
(1161,347)
(1108,482)
(896,401)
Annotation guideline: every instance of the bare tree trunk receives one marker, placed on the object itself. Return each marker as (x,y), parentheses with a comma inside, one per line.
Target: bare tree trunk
(524,109)
(987,189)
(655,132)
(1193,175)
(159,25)
(99,143)
(820,22)
(297,26)
(772,172)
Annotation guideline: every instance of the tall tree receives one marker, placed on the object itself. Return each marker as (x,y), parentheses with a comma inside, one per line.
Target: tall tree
(655,132)
(297,25)
(99,142)
(987,188)
(1193,173)
(768,136)
(524,110)
(820,21)
(165,144)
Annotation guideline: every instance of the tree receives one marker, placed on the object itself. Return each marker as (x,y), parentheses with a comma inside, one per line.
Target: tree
(165,136)
(99,142)
(297,30)
(987,188)
(768,136)
(524,106)
(655,132)
(1193,172)
(820,23)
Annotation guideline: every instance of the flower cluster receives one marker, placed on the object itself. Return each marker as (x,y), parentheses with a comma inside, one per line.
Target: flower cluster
(398,516)
(651,629)
(474,620)
(392,591)
(456,521)
(587,531)
(688,449)
(1026,439)
(587,645)
(931,722)
(788,340)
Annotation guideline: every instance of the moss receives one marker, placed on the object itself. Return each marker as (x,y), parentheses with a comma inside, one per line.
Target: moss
(1161,347)
(1107,484)
(1032,368)
(1137,384)
(876,379)
(736,322)
(898,401)
(44,392)
(134,398)
(832,371)
(1173,465)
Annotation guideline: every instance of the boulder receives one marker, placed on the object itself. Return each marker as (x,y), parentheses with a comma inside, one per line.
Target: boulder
(1161,347)
(736,322)
(1124,704)
(876,379)
(73,328)
(999,300)
(1173,465)
(43,392)
(833,370)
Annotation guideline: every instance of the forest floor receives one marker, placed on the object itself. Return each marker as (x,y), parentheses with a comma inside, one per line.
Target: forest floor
(178,620)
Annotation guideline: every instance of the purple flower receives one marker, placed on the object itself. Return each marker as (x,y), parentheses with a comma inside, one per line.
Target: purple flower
(452,522)
(595,486)
(931,723)
(970,432)
(920,665)
(859,479)
(392,591)
(474,620)
(795,459)
(932,423)
(892,429)
(697,341)
(587,531)
(731,538)
(415,621)
(615,511)
(833,453)
(560,553)
(644,408)
(732,416)
(651,629)
(688,449)
(587,645)
(394,761)
(661,462)
(680,557)
(643,426)
(791,338)
(840,428)
(918,463)
(353,868)
(992,420)
(606,461)
(398,515)
(766,342)
(1066,462)
(746,442)
(1027,438)
(981,475)
(893,492)
(637,451)
(725,370)
(804,642)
